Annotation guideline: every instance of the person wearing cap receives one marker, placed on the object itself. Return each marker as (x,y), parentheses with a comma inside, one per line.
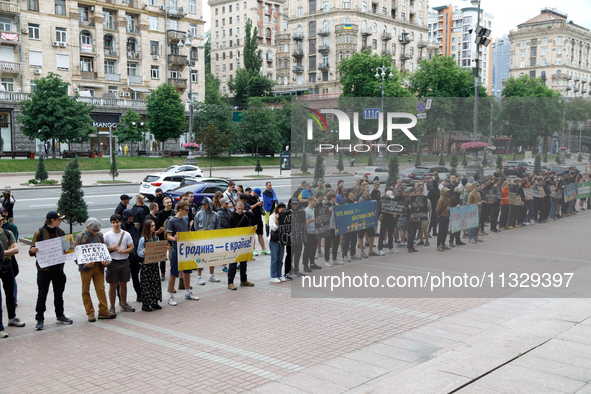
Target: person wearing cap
(350,237)
(120,244)
(224,213)
(53,275)
(128,223)
(256,205)
(239,219)
(10,247)
(305,194)
(269,199)
(206,219)
(388,224)
(93,272)
(7,201)
(442,210)
(122,204)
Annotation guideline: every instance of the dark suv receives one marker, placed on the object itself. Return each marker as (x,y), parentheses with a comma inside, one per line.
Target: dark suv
(514,168)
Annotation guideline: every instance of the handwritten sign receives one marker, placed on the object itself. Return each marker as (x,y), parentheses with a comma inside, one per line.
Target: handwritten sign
(552,191)
(419,209)
(393,206)
(492,195)
(584,190)
(292,228)
(90,253)
(463,217)
(322,216)
(528,194)
(155,252)
(541,191)
(55,251)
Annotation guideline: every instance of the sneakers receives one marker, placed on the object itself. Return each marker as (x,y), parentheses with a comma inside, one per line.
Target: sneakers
(156,307)
(266,251)
(482,233)
(225,269)
(315,267)
(319,254)
(393,251)
(276,280)
(171,301)
(214,278)
(63,320)
(336,262)
(231,286)
(427,243)
(479,240)
(191,297)
(376,254)
(440,249)
(445,247)
(354,257)
(347,259)
(287,277)
(401,245)
(460,243)
(162,277)
(254,253)
(91,319)
(328,264)
(3,334)
(282,279)
(420,243)
(109,315)
(248,284)
(306,269)
(39,325)
(299,274)
(451,245)
(380,253)
(112,310)
(200,281)
(16,322)
(127,308)
(472,241)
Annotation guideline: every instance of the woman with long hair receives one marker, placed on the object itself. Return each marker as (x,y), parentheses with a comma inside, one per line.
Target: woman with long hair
(277,249)
(150,277)
(216,200)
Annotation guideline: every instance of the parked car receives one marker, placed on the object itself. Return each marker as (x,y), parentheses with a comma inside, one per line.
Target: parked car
(199,190)
(514,168)
(222,183)
(373,172)
(410,175)
(163,181)
(441,171)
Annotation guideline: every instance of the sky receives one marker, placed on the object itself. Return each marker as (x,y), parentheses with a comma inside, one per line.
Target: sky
(507,13)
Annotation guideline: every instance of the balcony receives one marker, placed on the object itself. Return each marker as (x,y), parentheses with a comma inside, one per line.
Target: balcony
(353,29)
(9,37)
(88,75)
(323,67)
(178,82)
(422,44)
(134,55)
(577,89)
(298,36)
(366,32)
(88,23)
(137,79)
(298,69)
(386,36)
(404,38)
(386,52)
(11,67)
(569,77)
(577,78)
(323,32)
(584,90)
(177,60)
(110,51)
(559,76)
(282,37)
(86,48)
(324,48)
(132,29)
(404,55)
(110,26)
(176,12)
(412,10)
(9,8)
(175,35)
(298,53)
(113,77)
(17,97)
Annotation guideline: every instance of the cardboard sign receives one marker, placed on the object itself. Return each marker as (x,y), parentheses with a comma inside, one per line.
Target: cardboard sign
(155,252)
(552,191)
(90,253)
(528,194)
(55,251)
(292,228)
(322,216)
(393,206)
(419,208)
(355,217)
(541,191)
(584,190)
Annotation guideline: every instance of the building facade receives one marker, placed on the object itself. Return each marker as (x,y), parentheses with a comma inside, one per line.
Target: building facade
(112,52)
(452,28)
(554,49)
(500,64)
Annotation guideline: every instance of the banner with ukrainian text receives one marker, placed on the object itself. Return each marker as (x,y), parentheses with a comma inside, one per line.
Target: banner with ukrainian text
(464,217)
(355,217)
(200,249)
(584,190)
(570,192)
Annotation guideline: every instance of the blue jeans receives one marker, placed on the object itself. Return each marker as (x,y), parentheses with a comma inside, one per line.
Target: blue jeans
(276,258)
(1,325)
(473,233)
(530,210)
(553,206)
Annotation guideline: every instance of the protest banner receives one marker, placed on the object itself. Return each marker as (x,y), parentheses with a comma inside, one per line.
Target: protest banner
(200,249)
(155,252)
(55,251)
(464,217)
(393,206)
(528,194)
(552,191)
(89,253)
(570,192)
(354,217)
(322,222)
(584,190)
(419,208)
(292,228)
(541,191)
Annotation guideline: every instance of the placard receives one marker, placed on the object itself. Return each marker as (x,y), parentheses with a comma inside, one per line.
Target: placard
(570,192)
(534,192)
(552,191)
(292,228)
(463,217)
(55,251)
(419,208)
(393,206)
(541,191)
(155,252)
(90,253)
(528,194)
(584,190)
(492,195)
(322,222)
(355,217)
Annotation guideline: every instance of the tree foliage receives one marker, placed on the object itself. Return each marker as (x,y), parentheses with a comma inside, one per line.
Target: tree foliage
(126,131)
(370,160)
(526,86)
(258,129)
(319,168)
(304,166)
(258,168)
(537,165)
(51,114)
(249,84)
(251,53)
(393,168)
(207,52)
(441,159)
(166,113)
(454,160)
(418,161)
(340,165)
(41,173)
(465,161)
(500,162)
(71,202)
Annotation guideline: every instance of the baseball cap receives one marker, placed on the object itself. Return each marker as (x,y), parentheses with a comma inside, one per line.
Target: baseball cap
(93,223)
(6,189)
(3,210)
(308,184)
(125,197)
(351,190)
(399,189)
(224,200)
(410,189)
(389,193)
(54,215)
(248,189)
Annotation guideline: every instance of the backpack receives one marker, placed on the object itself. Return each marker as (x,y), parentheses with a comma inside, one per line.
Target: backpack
(13,262)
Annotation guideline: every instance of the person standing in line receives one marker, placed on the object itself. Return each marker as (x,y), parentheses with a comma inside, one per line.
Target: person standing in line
(151,285)
(93,271)
(49,275)
(455,201)
(153,215)
(269,199)
(128,224)
(494,206)
(350,237)
(14,229)
(310,246)
(474,198)
(387,225)
(177,224)
(239,219)
(10,248)
(411,229)
(257,210)
(293,252)
(120,244)
(162,217)
(277,249)
(7,201)
(229,194)
(206,219)
(332,241)
(3,333)
(370,231)
(140,211)
(433,195)
(123,204)
(442,210)
(159,199)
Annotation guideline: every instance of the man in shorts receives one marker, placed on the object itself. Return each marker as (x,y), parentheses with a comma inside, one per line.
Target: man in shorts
(120,245)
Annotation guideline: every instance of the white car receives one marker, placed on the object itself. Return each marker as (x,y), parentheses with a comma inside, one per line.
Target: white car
(163,181)
(373,172)
(184,170)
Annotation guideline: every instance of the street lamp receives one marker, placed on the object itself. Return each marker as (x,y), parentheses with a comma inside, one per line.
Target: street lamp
(492,100)
(139,126)
(381,72)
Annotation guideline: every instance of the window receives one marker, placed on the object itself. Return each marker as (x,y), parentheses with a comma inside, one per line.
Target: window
(108,21)
(558,61)
(174,24)
(534,51)
(62,61)
(312,63)
(312,78)
(325,6)
(60,7)
(132,69)
(559,40)
(300,79)
(33,5)
(312,7)
(545,40)
(86,64)
(312,29)
(153,23)
(4,24)
(534,41)
(237,6)
(110,66)
(154,48)
(174,73)
(522,64)
(60,34)
(544,51)
(33,31)
(194,53)
(532,62)
(154,3)
(8,84)
(522,53)
(544,62)
(113,90)
(195,76)
(522,43)
(559,50)
(300,11)
(155,72)
(192,6)
(347,4)
(83,12)
(35,59)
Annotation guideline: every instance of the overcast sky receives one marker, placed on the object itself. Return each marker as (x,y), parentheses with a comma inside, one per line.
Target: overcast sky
(507,13)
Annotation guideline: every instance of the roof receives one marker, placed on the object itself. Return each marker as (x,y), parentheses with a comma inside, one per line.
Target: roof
(547,15)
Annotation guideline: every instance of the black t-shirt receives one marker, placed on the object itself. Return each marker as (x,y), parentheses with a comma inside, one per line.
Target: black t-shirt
(162,216)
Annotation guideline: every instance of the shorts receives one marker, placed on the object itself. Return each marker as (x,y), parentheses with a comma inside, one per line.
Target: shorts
(402,223)
(118,271)
(259,225)
(424,225)
(174,264)
(368,231)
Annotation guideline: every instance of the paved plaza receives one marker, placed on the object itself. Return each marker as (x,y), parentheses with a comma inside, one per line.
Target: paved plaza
(264,340)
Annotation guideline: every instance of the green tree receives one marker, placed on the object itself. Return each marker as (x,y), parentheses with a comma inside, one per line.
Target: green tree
(537,165)
(441,159)
(392,170)
(357,77)
(526,86)
(319,168)
(418,161)
(52,115)
(464,160)
(249,84)
(454,163)
(258,168)
(340,165)
(258,129)
(71,202)
(370,161)
(41,173)
(304,166)
(500,162)
(113,170)
(214,141)
(485,160)
(166,113)
(207,52)
(126,131)
(251,51)
(545,156)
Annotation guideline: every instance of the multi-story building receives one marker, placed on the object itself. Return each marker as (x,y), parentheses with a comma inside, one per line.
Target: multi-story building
(315,36)
(228,19)
(453,29)
(500,64)
(113,53)
(553,49)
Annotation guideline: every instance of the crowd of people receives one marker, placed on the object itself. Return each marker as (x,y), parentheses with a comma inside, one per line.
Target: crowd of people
(503,204)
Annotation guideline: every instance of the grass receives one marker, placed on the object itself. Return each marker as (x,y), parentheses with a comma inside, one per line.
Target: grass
(111,181)
(132,163)
(257,176)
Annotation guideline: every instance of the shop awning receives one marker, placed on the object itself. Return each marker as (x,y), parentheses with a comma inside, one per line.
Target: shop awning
(139,89)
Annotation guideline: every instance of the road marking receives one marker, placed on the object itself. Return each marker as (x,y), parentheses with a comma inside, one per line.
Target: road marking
(57,197)
(50,205)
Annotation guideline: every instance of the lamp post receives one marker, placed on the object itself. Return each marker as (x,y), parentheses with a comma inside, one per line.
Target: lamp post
(381,72)
(138,126)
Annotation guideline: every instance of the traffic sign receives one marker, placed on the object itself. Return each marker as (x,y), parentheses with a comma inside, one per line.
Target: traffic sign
(422,116)
(285,160)
(371,113)
(421,107)
(428,104)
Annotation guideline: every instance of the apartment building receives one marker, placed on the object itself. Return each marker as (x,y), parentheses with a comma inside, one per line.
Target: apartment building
(452,28)
(552,48)
(228,19)
(316,35)
(112,52)
(500,64)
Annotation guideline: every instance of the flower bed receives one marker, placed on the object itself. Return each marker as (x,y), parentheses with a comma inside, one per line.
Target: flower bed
(474,146)
(190,145)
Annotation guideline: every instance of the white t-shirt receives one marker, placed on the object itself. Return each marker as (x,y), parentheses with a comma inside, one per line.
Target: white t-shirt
(112,239)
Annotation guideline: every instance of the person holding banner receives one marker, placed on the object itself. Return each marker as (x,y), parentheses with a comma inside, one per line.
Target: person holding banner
(150,277)
(388,223)
(49,275)
(474,198)
(349,238)
(370,232)
(310,245)
(332,241)
(206,219)
(93,271)
(456,201)
(239,219)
